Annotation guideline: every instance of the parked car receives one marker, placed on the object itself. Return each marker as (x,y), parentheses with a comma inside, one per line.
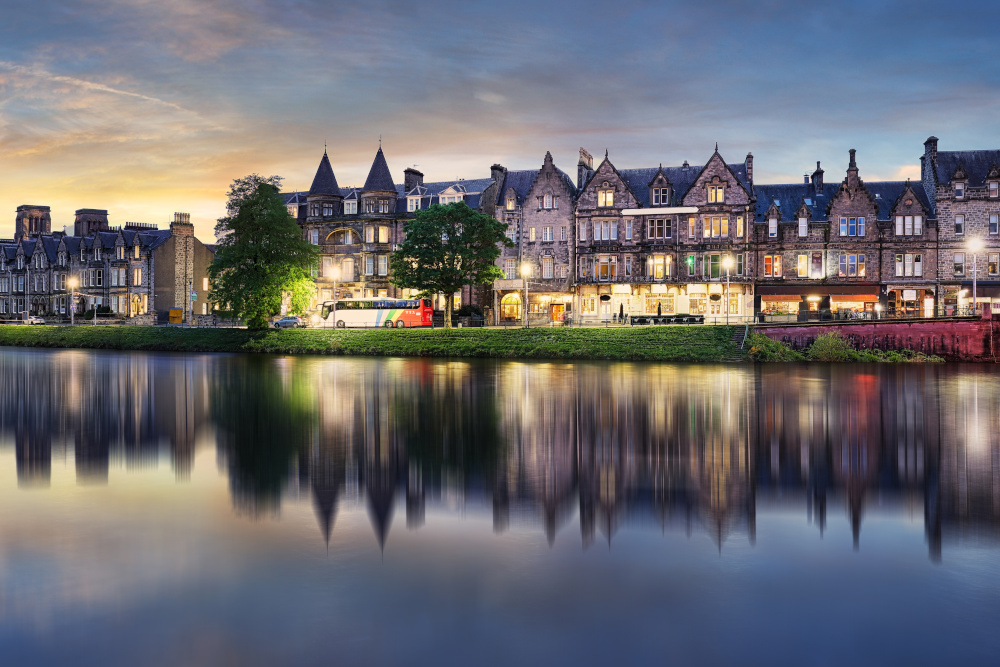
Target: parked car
(34,319)
(290,322)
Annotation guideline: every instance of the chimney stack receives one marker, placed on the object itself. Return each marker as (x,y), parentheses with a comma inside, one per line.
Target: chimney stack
(817,179)
(584,168)
(412,178)
(749,167)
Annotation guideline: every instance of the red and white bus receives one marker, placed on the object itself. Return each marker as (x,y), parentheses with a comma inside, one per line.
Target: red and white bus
(382,312)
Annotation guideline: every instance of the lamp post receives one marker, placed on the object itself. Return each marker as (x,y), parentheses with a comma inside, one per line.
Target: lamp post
(74,282)
(525,272)
(336,278)
(975,246)
(727,264)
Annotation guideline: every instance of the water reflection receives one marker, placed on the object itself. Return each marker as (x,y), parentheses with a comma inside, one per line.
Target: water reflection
(552,446)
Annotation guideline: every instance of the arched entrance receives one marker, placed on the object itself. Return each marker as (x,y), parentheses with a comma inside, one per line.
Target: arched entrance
(510,307)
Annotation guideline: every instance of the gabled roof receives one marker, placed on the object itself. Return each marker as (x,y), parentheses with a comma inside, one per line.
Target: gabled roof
(638,180)
(293,197)
(789,198)
(154,238)
(10,251)
(977,165)
(29,247)
(72,243)
(324,182)
(379,179)
(51,247)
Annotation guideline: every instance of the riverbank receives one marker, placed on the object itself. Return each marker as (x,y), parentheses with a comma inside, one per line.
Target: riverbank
(669,343)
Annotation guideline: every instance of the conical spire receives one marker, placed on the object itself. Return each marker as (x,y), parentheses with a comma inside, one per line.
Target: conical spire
(324,183)
(379,178)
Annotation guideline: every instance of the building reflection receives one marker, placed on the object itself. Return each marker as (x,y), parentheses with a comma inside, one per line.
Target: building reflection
(546,445)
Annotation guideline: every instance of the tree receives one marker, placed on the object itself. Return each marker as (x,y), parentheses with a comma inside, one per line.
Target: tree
(261,255)
(447,247)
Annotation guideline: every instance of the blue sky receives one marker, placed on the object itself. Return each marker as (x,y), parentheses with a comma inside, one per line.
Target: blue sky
(147,107)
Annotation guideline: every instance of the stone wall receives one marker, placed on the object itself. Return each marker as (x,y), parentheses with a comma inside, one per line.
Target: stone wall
(959,340)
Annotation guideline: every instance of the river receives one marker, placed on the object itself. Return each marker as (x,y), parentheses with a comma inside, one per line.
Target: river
(164,509)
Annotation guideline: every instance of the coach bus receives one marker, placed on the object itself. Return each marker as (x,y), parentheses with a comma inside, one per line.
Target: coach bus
(381,312)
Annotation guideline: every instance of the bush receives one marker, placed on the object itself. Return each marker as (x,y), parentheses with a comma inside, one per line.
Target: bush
(761,348)
(832,347)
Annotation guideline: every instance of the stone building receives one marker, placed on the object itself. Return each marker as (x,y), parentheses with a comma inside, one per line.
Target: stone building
(131,270)
(538,209)
(664,240)
(851,247)
(32,221)
(358,228)
(964,192)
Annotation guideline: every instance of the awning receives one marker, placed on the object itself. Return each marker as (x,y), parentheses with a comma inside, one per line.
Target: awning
(662,210)
(818,290)
(781,297)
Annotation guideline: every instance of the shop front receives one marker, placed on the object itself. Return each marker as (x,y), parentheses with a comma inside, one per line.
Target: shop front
(809,302)
(910,300)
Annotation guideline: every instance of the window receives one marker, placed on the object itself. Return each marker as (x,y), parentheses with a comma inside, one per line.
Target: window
(313,209)
(803,227)
(99,278)
(817,264)
(691,265)
(959,190)
(369,265)
(994,189)
(994,223)
(314,237)
(803,266)
(531,234)
(547,200)
(605,230)
(119,252)
(383,234)
(412,204)
(350,208)
(959,263)
(546,267)
(563,271)
(328,209)
(691,228)
(739,226)
(383,265)
(661,196)
(347,269)
(369,206)
(716,194)
(562,233)
(852,265)
(772,266)
(909,225)
(909,265)
(657,229)
(510,269)
(959,225)
(606,268)
(369,234)
(716,228)
(605,197)
(114,279)
(658,267)
(510,203)
(628,230)
(547,234)
(740,264)
(772,227)
(993,263)
(582,232)
(852,226)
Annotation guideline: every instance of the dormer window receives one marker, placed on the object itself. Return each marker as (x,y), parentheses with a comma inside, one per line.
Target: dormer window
(772,227)
(605,196)
(350,208)
(803,226)
(20,261)
(293,210)
(994,189)
(62,259)
(716,194)
(661,196)
(136,251)
(412,204)
(510,203)
(120,252)
(547,200)
(959,190)
(97,252)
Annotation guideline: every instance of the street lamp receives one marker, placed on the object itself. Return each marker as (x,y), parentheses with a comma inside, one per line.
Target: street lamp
(727,264)
(525,272)
(74,282)
(975,246)
(336,277)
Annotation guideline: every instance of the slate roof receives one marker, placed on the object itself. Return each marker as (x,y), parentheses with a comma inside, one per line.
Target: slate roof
(72,243)
(154,238)
(790,198)
(294,197)
(681,179)
(522,180)
(325,183)
(29,247)
(379,179)
(976,164)
(10,251)
(51,247)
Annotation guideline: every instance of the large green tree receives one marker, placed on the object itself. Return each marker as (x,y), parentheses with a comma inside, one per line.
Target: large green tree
(261,256)
(447,247)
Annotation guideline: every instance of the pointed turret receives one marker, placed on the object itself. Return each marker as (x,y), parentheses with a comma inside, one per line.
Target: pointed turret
(379,179)
(324,183)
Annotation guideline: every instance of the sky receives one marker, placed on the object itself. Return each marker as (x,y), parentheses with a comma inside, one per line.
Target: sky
(147,107)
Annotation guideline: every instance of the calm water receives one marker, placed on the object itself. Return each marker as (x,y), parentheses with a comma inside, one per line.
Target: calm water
(165,510)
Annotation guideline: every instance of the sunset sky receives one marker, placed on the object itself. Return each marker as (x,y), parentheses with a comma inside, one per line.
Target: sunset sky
(146,107)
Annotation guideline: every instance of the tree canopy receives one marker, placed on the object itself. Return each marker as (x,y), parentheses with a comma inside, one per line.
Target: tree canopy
(447,247)
(260,254)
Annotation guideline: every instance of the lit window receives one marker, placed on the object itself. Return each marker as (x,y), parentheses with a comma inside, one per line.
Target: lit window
(803,266)
(383,234)
(691,228)
(739,226)
(716,194)
(605,198)
(993,263)
(531,234)
(772,266)
(994,189)
(510,203)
